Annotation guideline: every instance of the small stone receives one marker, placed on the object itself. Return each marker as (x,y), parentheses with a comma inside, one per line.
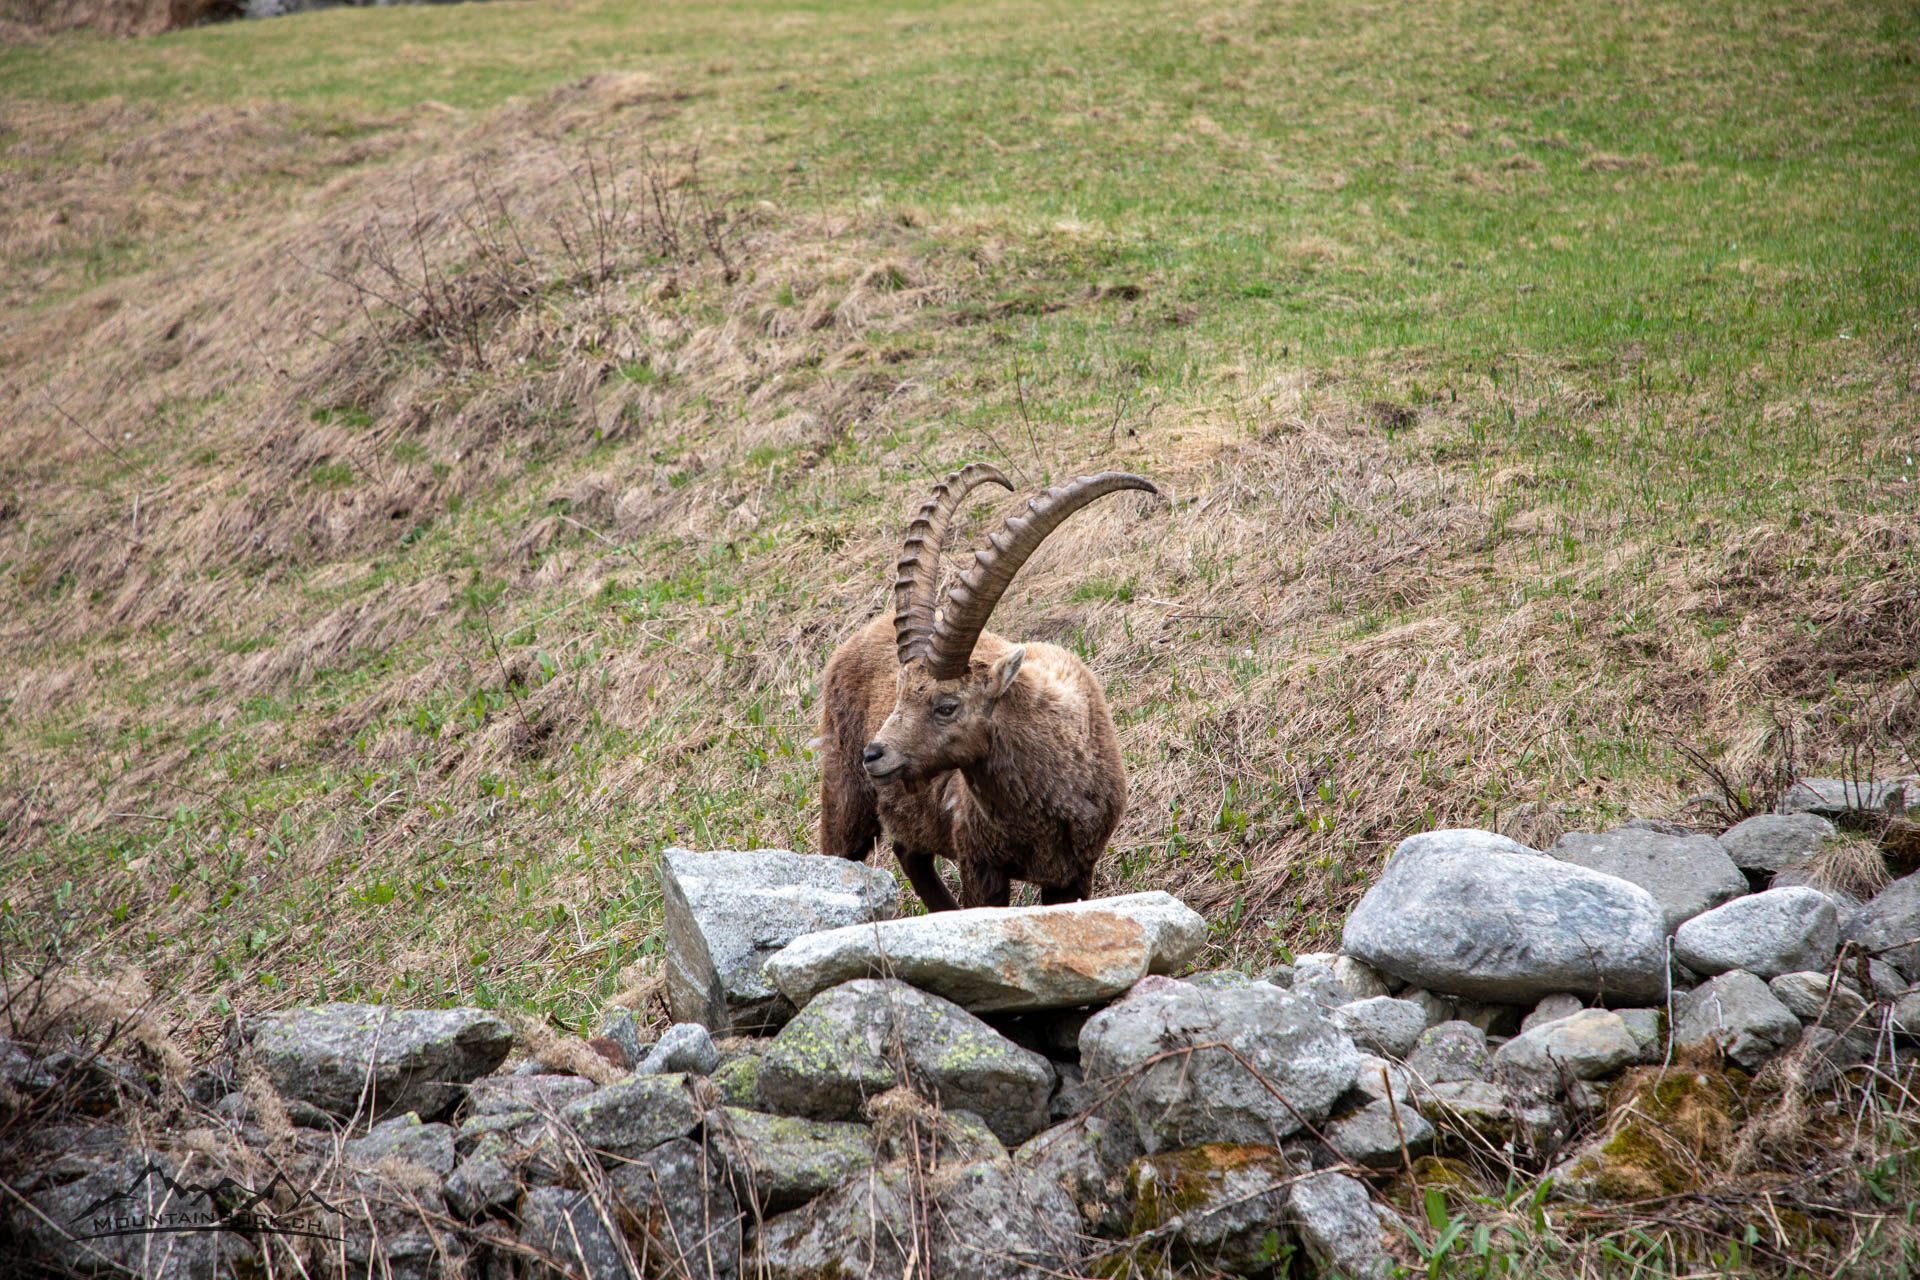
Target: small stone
(781,1162)
(404,1138)
(1382,1024)
(621,1027)
(677,1211)
(1888,926)
(1552,1009)
(1739,1011)
(1768,934)
(1814,999)
(1905,1016)
(1316,981)
(1361,979)
(567,1225)
(685,1049)
(1337,1223)
(1379,1078)
(1590,1045)
(1438,1009)
(1088,1159)
(1772,842)
(727,912)
(1493,1019)
(1886,980)
(1370,1137)
(1686,875)
(1644,1026)
(629,1117)
(1450,1051)
(482,1183)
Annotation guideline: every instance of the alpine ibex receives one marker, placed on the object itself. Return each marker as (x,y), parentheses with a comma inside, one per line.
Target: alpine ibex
(959,744)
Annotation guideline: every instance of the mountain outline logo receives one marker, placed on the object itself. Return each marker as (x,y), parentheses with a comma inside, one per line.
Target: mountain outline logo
(119,1213)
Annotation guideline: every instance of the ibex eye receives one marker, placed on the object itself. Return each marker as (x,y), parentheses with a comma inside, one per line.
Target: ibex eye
(946,709)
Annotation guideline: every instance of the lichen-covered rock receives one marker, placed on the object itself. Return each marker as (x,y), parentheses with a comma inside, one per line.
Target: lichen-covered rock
(1685,874)
(1768,934)
(633,1115)
(1591,1045)
(848,1045)
(570,1227)
(482,1182)
(781,1162)
(1222,1205)
(677,1210)
(736,1082)
(406,1139)
(501,1095)
(1772,842)
(1375,1136)
(727,912)
(685,1049)
(403,1059)
(1382,1024)
(1210,1094)
(1645,1026)
(1473,914)
(1088,1159)
(1739,1012)
(989,1220)
(1340,1227)
(1451,1051)
(1002,959)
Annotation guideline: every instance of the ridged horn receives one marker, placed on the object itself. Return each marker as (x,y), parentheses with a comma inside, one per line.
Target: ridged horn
(919,566)
(971,600)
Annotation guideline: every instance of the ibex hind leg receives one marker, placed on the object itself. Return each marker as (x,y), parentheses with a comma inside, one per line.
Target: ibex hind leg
(1078,891)
(985,886)
(923,873)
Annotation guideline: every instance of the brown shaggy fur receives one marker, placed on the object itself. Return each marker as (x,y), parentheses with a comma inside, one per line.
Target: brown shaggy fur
(1012,770)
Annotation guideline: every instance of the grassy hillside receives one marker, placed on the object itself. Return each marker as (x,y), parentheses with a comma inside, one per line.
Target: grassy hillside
(442,445)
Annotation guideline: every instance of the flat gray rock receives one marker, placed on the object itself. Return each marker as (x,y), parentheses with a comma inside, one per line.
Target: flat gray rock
(1644,1026)
(1210,1095)
(781,1162)
(406,1139)
(1836,798)
(1473,914)
(1371,1138)
(1591,1045)
(1089,1159)
(1382,1024)
(850,1043)
(1552,1009)
(1685,874)
(1888,925)
(1004,959)
(1814,997)
(685,1049)
(500,1095)
(1779,931)
(633,1115)
(1773,842)
(405,1059)
(727,911)
(1739,1011)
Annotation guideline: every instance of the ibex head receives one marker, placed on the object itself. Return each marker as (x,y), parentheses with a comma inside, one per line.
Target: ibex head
(943,712)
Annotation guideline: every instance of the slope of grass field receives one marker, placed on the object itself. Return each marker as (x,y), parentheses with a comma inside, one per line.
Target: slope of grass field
(442,445)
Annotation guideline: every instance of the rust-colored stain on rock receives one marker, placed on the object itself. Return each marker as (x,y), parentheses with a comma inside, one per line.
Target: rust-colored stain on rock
(1093,944)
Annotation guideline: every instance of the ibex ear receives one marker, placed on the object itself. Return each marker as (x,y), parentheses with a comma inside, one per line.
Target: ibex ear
(1000,677)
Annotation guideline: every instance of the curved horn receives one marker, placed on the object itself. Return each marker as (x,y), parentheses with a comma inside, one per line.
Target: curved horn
(971,600)
(920,555)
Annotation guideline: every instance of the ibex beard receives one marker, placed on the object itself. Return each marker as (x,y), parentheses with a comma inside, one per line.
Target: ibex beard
(957,743)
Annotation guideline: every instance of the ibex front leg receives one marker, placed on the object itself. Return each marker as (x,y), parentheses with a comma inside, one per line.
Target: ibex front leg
(923,873)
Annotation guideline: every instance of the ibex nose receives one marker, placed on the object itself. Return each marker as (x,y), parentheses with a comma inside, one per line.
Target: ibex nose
(873,752)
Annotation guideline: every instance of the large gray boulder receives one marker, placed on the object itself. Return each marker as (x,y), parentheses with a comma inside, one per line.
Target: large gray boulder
(1340,1227)
(987,1220)
(400,1059)
(781,1162)
(1739,1011)
(1685,874)
(1889,924)
(1280,1045)
(1772,842)
(1473,914)
(727,911)
(851,1043)
(1779,931)
(1004,959)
